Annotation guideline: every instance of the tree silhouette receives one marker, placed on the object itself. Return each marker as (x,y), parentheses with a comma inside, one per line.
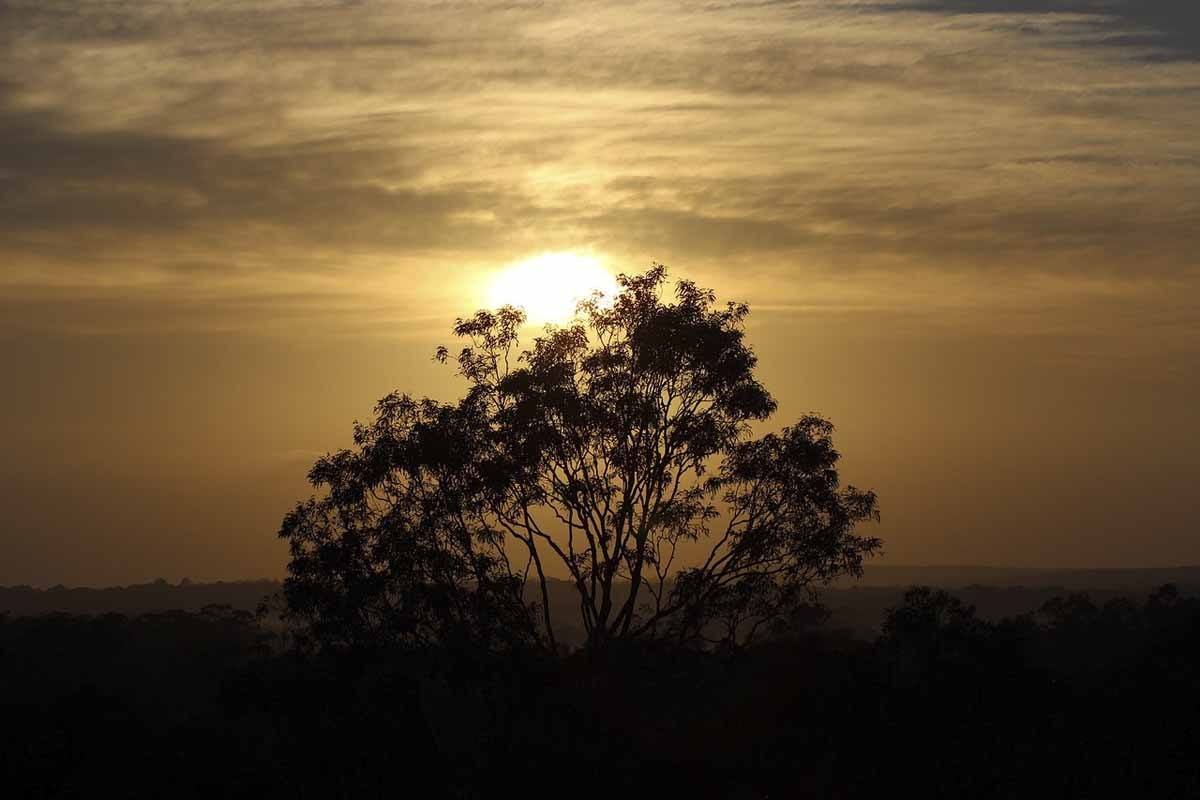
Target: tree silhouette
(599,454)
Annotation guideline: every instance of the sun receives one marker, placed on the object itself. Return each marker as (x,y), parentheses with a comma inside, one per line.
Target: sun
(549,286)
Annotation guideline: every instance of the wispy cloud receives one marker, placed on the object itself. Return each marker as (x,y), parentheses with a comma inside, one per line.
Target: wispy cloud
(229,149)
(1151,29)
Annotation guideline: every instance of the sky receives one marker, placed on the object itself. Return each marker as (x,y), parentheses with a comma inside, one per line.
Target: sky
(967,230)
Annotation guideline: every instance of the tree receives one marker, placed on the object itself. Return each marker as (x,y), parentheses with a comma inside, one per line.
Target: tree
(597,454)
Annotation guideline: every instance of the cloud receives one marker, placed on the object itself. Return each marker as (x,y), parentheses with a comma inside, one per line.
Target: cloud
(312,156)
(1157,29)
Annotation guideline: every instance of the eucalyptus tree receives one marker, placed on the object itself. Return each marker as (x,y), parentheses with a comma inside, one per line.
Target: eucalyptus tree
(615,452)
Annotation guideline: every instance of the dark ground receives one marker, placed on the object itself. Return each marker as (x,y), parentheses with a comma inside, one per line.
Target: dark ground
(1089,697)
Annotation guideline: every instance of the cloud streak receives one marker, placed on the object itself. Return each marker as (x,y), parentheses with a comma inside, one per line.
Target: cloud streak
(1151,29)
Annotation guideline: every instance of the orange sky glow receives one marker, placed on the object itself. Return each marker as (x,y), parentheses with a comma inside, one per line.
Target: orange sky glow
(968,234)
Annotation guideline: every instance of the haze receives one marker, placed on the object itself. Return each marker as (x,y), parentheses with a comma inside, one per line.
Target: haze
(967,230)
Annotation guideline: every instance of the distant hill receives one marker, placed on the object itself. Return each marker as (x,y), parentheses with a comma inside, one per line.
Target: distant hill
(136,599)
(858,605)
(1129,578)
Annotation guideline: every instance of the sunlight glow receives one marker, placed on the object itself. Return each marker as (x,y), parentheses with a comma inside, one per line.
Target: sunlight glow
(549,286)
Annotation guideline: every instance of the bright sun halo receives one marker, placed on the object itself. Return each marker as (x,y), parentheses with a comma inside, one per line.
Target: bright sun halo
(549,286)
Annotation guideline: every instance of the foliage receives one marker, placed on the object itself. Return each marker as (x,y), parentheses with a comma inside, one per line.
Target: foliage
(600,452)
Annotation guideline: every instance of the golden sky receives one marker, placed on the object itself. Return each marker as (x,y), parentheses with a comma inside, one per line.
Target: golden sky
(968,230)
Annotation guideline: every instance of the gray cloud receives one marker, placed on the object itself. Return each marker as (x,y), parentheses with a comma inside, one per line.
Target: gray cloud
(55,178)
(1160,29)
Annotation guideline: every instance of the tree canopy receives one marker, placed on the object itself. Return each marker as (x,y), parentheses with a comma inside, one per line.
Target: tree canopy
(615,452)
